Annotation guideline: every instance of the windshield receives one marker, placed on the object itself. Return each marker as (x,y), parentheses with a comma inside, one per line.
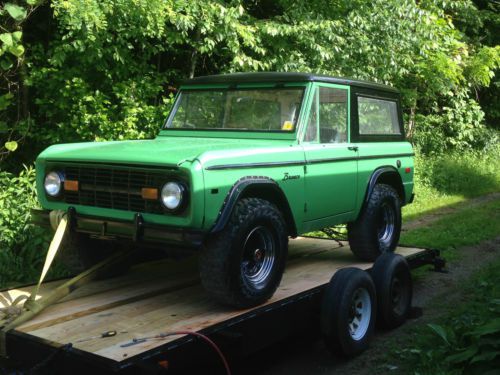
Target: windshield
(260,109)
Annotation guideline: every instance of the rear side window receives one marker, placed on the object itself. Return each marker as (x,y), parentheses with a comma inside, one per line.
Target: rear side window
(377,117)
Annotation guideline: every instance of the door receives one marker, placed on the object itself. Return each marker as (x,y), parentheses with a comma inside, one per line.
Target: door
(331,161)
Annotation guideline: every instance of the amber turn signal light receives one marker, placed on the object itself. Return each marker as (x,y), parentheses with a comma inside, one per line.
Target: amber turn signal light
(149,193)
(71,185)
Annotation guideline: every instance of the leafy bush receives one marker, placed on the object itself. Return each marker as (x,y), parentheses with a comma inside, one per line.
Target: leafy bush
(449,178)
(469,173)
(98,70)
(22,246)
(468,340)
(458,126)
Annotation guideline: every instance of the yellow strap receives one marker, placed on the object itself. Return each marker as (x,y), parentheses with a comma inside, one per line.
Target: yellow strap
(5,322)
(55,244)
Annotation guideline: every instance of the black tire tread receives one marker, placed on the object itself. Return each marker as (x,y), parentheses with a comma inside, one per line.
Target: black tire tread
(335,304)
(216,265)
(381,272)
(362,237)
(80,252)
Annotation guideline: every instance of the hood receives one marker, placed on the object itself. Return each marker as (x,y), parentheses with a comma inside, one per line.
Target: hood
(168,151)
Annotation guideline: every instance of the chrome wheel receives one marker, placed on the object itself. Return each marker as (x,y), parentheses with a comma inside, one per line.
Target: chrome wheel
(360,314)
(258,257)
(386,224)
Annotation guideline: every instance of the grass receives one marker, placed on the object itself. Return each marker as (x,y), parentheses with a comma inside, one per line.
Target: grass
(466,227)
(449,179)
(465,340)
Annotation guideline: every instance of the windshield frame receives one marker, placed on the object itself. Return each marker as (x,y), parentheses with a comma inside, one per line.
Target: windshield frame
(248,86)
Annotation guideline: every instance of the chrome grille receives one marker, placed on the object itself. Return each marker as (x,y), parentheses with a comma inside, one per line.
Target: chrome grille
(117,188)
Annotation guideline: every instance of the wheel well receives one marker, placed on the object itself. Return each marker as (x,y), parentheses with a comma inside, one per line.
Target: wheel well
(392,178)
(273,194)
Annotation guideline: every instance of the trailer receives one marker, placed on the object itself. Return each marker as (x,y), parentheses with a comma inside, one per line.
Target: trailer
(157,318)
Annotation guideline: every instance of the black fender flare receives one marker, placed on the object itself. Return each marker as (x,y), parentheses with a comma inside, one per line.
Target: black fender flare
(241,188)
(374,178)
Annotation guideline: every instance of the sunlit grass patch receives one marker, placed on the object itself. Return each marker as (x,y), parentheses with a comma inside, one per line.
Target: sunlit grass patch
(468,226)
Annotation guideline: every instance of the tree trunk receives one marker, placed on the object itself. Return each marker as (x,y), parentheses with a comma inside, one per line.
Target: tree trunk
(194,54)
(411,123)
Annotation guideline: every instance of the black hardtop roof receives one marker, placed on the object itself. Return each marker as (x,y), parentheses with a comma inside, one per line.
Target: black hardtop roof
(281,77)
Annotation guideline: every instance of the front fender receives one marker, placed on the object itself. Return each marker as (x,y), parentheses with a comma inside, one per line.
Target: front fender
(259,187)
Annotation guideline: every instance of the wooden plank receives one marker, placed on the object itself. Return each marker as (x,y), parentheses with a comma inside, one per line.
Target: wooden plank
(143,281)
(105,294)
(189,308)
(6,297)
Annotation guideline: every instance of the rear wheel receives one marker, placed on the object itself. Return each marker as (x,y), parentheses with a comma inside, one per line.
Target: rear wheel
(242,265)
(377,229)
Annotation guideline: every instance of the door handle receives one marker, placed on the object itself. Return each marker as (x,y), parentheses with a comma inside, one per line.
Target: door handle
(353,148)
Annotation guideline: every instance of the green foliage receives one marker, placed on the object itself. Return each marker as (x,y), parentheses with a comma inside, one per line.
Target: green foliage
(469,174)
(112,61)
(22,246)
(458,126)
(467,341)
(447,179)
(463,228)
(106,69)
(17,12)
(482,65)
(12,54)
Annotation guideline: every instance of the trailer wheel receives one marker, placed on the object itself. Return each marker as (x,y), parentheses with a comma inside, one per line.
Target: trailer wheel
(377,229)
(348,312)
(242,265)
(392,277)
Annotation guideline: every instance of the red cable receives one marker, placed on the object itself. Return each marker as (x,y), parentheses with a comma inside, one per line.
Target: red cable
(210,342)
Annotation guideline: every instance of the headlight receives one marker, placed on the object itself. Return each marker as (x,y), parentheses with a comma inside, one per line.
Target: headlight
(171,195)
(53,183)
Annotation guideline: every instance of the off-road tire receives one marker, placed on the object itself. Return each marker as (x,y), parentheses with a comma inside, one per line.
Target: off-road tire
(392,278)
(341,307)
(363,234)
(80,252)
(224,256)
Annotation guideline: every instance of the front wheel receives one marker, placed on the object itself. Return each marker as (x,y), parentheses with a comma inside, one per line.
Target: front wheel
(377,229)
(80,252)
(242,265)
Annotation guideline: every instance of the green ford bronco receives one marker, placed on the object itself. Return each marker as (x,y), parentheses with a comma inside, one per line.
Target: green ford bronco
(243,162)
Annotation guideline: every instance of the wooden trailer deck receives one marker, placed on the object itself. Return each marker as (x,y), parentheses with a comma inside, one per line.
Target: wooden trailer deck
(165,296)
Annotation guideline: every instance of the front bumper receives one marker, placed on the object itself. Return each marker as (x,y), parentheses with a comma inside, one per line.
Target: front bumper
(136,230)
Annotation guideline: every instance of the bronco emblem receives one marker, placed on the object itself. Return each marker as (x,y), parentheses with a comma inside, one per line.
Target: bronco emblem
(287,176)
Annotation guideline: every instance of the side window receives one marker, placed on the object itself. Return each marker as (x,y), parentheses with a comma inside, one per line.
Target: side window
(377,116)
(312,126)
(332,115)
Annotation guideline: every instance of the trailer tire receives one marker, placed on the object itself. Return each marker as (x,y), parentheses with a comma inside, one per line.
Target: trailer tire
(80,252)
(348,312)
(378,227)
(242,265)
(392,278)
